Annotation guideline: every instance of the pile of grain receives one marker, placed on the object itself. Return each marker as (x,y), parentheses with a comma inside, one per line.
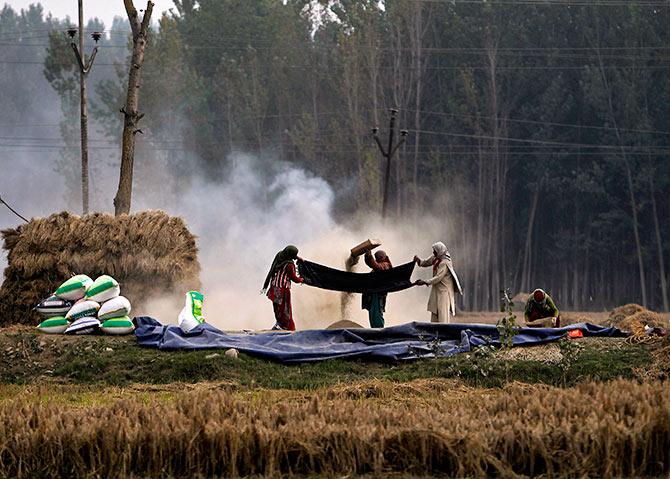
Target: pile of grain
(150,253)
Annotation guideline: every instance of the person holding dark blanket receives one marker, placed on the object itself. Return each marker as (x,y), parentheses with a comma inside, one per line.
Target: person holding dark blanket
(375,303)
(541,312)
(442,300)
(278,286)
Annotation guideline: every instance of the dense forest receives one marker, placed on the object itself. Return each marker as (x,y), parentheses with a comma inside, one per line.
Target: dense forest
(539,131)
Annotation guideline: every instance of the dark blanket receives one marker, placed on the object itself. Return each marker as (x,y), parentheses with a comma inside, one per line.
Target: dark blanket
(405,342)
(387,281)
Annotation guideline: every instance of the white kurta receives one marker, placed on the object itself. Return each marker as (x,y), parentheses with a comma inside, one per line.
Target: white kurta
(442,299)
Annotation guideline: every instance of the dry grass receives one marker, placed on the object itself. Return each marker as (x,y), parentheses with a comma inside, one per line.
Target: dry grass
(618,429)
(148,253)
(633,318)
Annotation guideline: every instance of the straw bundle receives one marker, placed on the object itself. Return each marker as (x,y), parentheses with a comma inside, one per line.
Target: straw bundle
(633,317)
(149,253)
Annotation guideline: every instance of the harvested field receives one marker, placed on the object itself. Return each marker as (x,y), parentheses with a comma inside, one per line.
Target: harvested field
(617,429)
(149,253)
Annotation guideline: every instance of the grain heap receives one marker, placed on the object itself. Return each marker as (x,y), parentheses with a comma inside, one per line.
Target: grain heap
(150,253)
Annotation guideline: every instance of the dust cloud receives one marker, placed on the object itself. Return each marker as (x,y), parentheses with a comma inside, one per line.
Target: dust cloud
(241,223)
(260,208)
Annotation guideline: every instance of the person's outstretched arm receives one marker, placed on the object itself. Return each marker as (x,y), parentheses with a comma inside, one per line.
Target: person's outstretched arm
(372,262)
(293,274)
(423,262)
(552,307)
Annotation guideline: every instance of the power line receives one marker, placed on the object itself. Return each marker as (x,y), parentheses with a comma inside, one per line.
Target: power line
(530,140)
(539,122)
(12,210)
(408,68)
(569,3)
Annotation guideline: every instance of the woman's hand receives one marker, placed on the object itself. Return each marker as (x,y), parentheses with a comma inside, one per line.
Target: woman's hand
(417,260)
(419,282)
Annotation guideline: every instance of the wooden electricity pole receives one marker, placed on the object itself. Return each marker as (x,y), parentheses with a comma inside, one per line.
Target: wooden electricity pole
(84,68)
(131,115)
(83,115)
(388,154)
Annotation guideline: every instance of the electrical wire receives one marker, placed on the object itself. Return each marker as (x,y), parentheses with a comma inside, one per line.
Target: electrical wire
(12,210)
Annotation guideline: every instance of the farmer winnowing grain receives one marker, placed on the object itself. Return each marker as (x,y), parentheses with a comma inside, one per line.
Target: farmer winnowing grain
(375,303)
(278,286)
(442,300)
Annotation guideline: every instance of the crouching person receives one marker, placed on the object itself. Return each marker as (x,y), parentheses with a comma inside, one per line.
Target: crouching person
(541,312)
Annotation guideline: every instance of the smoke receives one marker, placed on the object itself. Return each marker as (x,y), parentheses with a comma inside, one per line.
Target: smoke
(242,222)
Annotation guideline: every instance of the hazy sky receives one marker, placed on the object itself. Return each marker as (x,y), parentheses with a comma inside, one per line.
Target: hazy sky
(105,10)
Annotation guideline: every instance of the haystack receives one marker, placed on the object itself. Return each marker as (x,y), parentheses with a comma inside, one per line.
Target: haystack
(519,301)
(150,253)
(633,317)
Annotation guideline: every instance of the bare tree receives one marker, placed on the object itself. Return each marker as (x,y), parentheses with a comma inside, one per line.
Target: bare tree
(131,114)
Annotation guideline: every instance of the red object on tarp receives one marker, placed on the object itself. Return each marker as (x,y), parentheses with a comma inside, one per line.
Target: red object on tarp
(575,333)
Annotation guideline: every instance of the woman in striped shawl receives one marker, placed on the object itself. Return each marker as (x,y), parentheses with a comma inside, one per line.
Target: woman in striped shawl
(442,300)
(278,286)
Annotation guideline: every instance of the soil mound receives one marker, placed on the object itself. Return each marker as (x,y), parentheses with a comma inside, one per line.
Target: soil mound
(149,253)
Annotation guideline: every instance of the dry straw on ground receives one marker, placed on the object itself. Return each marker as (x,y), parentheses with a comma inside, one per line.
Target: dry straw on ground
(633,318)
(149,253)
(618,429)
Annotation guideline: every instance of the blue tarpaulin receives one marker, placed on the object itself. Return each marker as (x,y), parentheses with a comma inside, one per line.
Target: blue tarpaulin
(395,343)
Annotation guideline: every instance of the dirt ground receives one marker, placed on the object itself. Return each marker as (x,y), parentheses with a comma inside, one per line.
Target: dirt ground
(567,317)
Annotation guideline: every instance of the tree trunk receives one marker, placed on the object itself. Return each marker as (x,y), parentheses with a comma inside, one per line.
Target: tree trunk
(131,115)
(659,245)
(629,181)
(525,274)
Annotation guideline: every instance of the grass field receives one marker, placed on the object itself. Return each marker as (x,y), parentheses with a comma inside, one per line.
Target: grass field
(103,407)
(29,358)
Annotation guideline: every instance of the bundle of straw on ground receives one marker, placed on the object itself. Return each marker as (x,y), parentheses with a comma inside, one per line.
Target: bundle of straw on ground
(618,429)
(149,253)
(633,318)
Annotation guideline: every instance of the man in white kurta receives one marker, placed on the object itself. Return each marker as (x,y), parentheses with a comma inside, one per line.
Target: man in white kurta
(444,284)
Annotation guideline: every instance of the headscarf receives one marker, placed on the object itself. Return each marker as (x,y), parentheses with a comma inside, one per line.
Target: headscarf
(382,257)
(539,296)
(282,258)
(440,250)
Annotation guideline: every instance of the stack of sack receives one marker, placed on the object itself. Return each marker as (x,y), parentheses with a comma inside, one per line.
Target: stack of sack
(83,306)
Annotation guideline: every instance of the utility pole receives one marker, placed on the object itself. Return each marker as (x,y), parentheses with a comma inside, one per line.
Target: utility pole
(388,154)
(84,68)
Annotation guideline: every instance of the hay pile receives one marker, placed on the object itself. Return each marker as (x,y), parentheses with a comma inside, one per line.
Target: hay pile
(149,253)
(633,317)
(519,301)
